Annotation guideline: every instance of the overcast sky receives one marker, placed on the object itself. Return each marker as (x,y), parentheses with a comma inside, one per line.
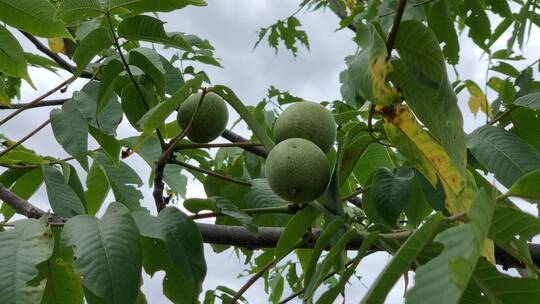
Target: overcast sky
(314,75)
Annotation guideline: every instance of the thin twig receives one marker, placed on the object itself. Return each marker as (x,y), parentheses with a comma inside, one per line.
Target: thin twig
(287,209)
(22,140)
(61,62)
(130,74)
(209,172)
(44,103)
(502,115)
(395,27)
(217,145)
(37,100)
(355,193)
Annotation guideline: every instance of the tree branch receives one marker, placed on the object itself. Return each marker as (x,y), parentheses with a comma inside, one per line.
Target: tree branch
(266,238)
(20,205)
(61,62)
(235,138)
(45,103)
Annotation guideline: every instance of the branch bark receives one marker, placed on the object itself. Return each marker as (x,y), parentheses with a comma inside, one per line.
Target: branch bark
(235,138)
(61,62)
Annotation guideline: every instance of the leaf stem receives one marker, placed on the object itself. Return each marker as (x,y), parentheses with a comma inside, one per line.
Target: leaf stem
(287,209)
(128,70)
(209,172)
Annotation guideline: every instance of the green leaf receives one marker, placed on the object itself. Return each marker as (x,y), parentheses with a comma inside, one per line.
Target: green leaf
(421,74)
(329,261)
(506,69)
(12,58)
(454,266)
(391,191)
(509,222)
(402,260)
(71,11)
(93,43)
(441,21)
(21,250)
(24,187)
(108,143)
(175,180)
(531,101)
(474,15)
(111,115)
(332,293)
(33,16)
(227,207)
(352,153)
(295,229)
(71,131)
(172,242)
(133,105)
(108,80)
(150,29)
(376,156)
(97,187)
(122,179)
(150,63)
(322,242)
(503,153)
(261,196)
(155,118)
(114,4)
(62,198)
(64,285)
(368,70)
(74,182)
(417,207)
(107,253)
(500,288)
(526,187)
(162,5)
(241,109)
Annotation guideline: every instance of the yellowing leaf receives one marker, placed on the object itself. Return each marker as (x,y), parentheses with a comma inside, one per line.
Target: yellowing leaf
(478,100)
(379,68)
(405,132)
(368,71)
(57,45)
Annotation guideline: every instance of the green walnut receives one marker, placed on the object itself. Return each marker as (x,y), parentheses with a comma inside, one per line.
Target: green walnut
(308,120)
(297,170)
(210,121)
(196,205)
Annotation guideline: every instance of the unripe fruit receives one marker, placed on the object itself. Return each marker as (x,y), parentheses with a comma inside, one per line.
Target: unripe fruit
(297,170)
(196,205)
(210,121)
(308,120)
